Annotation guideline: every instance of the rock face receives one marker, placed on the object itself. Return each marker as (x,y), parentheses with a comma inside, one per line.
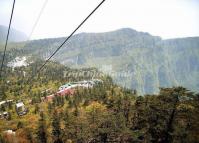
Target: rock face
(134,59)
(18,62)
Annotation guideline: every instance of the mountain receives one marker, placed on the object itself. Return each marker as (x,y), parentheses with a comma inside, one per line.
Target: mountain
(135,60)
(15,36)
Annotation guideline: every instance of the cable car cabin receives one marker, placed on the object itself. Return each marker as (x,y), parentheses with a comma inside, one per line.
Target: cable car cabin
(4,104)
(4,115)
(20,109)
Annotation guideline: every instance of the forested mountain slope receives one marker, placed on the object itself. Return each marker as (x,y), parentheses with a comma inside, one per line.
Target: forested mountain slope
(103,113)
(136,60)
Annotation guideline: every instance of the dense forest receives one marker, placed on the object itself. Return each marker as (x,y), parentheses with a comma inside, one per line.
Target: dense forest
(149,61)
(102,114)
(120,86)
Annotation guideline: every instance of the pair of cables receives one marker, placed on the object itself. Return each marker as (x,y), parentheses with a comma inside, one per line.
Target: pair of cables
(66,40)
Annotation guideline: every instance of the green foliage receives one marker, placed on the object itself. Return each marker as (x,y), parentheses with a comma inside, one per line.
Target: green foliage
(56,128)
(42,129)
(104,113)
(149,61)
(20,125)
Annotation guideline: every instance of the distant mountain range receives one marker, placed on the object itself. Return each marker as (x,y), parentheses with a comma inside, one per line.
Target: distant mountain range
(136,60)
(15,36)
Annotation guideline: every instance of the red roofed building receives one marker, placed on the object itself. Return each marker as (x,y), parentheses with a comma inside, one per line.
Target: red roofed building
(65,92)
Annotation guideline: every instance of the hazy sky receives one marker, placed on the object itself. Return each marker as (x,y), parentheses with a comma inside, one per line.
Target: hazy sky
(165,18)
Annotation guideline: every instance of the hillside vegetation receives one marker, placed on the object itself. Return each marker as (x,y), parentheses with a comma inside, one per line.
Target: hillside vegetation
(102,114)
(147,61)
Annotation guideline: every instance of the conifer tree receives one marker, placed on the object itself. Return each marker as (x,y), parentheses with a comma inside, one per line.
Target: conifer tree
(42,131)
(56,129)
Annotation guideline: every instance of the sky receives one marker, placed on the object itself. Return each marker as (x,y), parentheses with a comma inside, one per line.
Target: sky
(58,18)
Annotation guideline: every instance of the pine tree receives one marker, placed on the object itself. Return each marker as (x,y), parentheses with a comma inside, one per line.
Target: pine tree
(56,131)
(50,107)
(2,139)
(20,125)
(36,108)
(42,131)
